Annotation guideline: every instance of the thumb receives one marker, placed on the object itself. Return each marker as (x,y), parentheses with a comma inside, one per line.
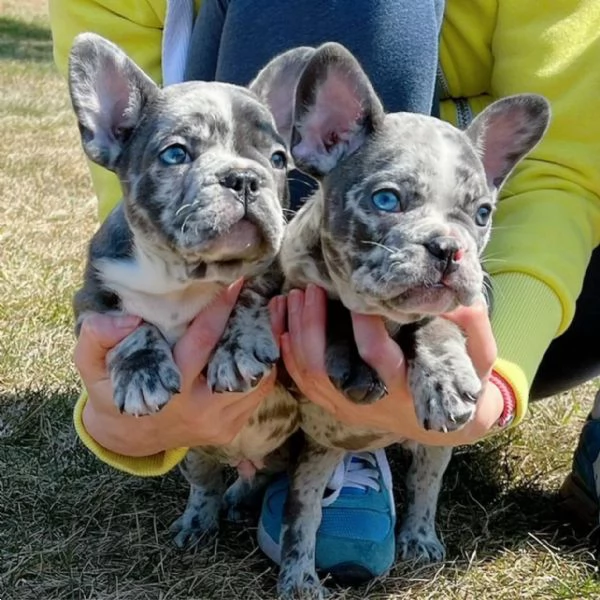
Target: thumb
(98,335)
(378,349)
(193,351)
(481,344)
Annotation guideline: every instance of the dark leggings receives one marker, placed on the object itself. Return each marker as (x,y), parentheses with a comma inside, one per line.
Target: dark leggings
(396,41)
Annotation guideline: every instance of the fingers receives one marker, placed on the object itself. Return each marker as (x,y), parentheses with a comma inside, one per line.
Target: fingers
(99,334)
(194,349)
(378,349)
(307,321)
(481,345)
(277,311)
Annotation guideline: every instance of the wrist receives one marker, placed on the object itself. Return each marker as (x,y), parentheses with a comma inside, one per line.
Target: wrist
(121,434)
(509,402)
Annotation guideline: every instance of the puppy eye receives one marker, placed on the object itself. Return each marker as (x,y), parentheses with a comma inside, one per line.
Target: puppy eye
(174,155)
(483,214)
(279,160)
(387,200)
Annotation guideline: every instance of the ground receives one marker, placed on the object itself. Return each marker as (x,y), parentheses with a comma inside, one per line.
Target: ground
(73,528)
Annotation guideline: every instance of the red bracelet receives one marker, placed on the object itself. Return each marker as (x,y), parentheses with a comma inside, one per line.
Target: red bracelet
(508,397)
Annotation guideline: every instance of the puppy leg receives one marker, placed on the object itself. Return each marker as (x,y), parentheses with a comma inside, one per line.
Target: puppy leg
(418,539)
(243,497)
(442,377)
(247,350)
(200,520)
(298,579)
(143,372)
(350,374)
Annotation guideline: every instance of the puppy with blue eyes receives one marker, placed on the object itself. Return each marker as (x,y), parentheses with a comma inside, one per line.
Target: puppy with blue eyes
(204,176)
(396,229)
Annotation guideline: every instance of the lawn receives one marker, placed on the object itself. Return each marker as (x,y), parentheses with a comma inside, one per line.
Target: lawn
(70,527)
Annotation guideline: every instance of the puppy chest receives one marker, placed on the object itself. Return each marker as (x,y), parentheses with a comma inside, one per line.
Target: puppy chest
(147,290)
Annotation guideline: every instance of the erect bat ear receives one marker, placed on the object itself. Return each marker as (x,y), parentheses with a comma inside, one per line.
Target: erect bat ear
(506,131)
(108,92)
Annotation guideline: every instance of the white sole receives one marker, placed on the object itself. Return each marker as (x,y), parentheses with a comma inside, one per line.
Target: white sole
(266,543)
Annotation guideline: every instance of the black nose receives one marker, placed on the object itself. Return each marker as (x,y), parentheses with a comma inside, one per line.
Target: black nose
(245,183)
(447,251)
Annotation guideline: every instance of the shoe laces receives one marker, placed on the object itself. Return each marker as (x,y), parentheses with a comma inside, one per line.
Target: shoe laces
(358,470)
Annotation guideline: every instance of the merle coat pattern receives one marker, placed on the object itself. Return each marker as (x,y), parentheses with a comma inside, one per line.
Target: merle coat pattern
(204,176)
(396,229)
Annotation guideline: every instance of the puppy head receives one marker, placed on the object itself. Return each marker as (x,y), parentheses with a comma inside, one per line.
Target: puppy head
(407,199)
(201,164)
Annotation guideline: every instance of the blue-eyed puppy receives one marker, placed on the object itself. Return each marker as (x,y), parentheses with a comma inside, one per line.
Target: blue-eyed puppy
(396,229)
(204,177)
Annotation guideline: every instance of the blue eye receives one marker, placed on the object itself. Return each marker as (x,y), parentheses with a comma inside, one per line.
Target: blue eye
(174,155)
(387,200)
(484,212)
(279,160)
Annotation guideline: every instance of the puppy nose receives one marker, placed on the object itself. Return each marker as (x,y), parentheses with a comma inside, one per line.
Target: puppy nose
(447,251)
(245,183)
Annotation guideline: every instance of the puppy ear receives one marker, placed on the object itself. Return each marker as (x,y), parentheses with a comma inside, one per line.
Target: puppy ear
(276,84)
(336,108)
(506,131)
(108,92)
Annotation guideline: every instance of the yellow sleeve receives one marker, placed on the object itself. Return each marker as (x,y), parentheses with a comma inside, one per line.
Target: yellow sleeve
(134,26)
(137,28)
(147,466)
(548,218)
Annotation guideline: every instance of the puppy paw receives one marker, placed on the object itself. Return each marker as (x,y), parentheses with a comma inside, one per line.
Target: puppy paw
(352,376)
(246,353)
(143,372)
(445,392)
(296,584)
(420,544)
(194,528)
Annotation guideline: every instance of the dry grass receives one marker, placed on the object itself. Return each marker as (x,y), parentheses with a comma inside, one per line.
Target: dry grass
(70,527)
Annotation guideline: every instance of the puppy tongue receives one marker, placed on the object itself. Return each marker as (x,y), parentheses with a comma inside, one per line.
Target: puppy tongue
(241,240)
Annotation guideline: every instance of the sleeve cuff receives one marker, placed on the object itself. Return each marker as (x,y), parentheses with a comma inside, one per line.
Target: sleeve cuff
(526,318)
(147,466)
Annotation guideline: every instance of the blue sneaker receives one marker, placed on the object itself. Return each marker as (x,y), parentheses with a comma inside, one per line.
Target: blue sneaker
(356,539)
(580,490)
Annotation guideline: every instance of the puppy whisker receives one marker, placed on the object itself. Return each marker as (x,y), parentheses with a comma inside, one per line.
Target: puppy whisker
(185,207)
(371,243)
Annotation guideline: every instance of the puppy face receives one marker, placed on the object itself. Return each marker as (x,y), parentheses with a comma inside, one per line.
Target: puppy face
(406,199)
(202,166)
(405,219)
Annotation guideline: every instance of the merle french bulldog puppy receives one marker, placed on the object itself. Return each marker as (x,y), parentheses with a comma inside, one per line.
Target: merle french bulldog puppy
(203,172)
(396,229)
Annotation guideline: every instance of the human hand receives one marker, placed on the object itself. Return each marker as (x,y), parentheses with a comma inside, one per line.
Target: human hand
(195,416)
(303,350)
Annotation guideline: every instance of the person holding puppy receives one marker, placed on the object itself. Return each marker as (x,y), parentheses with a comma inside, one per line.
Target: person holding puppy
(545,293)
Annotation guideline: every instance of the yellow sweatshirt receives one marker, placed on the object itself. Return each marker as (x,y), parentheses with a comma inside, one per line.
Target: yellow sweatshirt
(548,220)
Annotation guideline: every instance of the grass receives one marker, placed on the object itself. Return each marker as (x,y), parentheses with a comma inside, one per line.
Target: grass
(70,527)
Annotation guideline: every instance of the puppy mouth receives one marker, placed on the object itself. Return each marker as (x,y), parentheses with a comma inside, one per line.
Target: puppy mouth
(433,298)
(242,242)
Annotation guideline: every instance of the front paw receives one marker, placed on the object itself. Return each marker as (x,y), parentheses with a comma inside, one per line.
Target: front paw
(445,392)
(419,543)
(194,528)
(143,372)
(352,376)
(243,357)
(297,584)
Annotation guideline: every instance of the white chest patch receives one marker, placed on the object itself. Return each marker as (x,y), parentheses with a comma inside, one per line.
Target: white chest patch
(158,292)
